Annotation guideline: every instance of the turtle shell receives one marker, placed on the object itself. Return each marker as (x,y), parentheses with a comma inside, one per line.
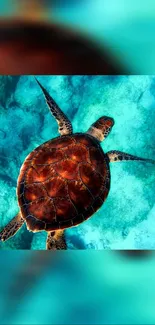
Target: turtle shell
(63,182)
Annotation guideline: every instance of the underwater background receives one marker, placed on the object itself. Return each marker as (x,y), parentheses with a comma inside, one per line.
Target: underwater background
(127,218)
(77,287)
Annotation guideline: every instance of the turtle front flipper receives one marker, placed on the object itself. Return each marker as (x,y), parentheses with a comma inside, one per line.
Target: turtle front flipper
(56,240)
(115,156)
(101,128)
(12,227)
(65,126)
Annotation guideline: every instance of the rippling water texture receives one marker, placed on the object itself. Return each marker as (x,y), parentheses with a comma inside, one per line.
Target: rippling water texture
(127,219)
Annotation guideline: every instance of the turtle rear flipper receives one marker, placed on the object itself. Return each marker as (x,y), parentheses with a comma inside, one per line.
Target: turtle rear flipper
(12,227)
(56,240)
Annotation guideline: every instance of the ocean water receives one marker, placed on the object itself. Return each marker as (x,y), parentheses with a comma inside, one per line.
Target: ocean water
(127,218)
(77,287)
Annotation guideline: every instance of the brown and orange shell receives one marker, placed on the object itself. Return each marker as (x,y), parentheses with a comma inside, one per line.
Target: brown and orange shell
(63,182)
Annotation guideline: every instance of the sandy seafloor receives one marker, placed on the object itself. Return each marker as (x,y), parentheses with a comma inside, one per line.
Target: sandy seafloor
(127,218)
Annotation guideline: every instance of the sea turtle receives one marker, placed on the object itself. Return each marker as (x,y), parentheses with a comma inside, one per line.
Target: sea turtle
(64,181)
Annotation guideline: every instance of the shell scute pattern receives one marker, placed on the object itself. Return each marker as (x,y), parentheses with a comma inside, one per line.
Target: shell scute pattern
(60,183)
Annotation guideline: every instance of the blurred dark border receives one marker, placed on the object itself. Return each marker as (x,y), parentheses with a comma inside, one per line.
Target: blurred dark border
(61,50)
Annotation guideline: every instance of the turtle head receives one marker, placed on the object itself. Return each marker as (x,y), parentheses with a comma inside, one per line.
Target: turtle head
(101,128)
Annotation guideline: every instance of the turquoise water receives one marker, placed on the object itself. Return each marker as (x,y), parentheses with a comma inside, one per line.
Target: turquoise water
(127,218)
(76,287)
